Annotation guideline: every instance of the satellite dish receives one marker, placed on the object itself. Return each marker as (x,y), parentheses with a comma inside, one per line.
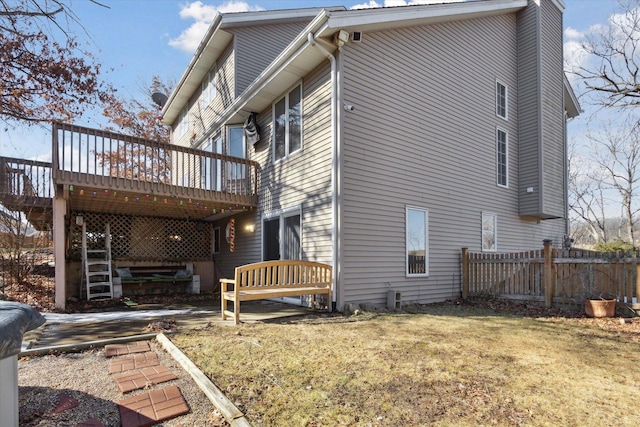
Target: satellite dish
(159,98)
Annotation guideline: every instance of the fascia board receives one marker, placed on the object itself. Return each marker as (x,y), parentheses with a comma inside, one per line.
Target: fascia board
(242,19)
(571,103)
(405,16)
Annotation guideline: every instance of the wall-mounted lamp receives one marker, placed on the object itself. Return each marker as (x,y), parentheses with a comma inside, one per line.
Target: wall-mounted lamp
(250,228)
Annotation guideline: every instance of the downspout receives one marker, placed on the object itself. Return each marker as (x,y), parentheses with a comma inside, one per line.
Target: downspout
(335,165)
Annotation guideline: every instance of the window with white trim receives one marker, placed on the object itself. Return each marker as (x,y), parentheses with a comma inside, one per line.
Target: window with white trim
(281,235)
(502,100)
(183,122)
(417,242)
(287,124)
(209,88)
(502,157)
(489,231)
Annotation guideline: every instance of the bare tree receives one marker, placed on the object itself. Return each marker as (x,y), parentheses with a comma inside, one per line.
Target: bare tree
(587,202)
(617,153)
(44,74)
(613,72)
(604,181)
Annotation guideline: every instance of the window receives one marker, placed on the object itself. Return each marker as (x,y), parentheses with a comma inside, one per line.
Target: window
(502,157)
(281,238)
(287,122)
(417,241)
(183,122)
(236,147)
(502,99)
(209,88)
(489,227)
(211,169)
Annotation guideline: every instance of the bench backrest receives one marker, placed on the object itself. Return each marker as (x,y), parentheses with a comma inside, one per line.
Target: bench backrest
(284,273)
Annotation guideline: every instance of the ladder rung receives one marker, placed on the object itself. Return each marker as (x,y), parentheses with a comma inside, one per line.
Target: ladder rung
(98,262)
(93,284)
(108,294)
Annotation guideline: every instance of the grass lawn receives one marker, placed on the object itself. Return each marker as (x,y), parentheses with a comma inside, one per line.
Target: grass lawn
(441,365)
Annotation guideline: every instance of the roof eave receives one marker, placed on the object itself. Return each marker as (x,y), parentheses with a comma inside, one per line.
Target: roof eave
(181,94)
(571,104)
(405,16)
(216,40)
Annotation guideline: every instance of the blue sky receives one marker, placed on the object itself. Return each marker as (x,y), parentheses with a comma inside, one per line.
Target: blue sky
(137,39)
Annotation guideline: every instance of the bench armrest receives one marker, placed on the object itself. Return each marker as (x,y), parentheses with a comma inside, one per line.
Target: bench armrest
(224,283)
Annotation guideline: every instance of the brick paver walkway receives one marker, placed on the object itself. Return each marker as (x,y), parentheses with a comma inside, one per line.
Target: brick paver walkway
(141,378)
(138,367)
(152,407)
(112,350)
(136,361)
(135,366)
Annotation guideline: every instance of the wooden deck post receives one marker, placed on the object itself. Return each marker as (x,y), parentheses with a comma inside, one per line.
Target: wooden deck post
(465,273)
(59,242)
(547,276)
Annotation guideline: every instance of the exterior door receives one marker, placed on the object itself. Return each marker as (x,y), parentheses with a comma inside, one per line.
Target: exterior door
(281,239)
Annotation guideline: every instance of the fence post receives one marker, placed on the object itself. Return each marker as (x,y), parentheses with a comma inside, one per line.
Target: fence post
(548,274)
(465,273)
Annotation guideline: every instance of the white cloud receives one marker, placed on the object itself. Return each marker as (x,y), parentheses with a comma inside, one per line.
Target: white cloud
(572,33)
(575,57)
(369,5)
(203,15)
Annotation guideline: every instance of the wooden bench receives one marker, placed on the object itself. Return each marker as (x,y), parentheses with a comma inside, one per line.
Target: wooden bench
(275,279)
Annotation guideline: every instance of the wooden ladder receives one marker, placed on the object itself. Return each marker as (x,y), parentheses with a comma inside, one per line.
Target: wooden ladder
(97,266)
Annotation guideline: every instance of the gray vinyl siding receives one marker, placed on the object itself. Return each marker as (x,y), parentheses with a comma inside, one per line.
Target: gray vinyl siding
(224,92)
(422,134)
(201,117)
(529,109)
(542,165)
(302,179)
(245,251)
(257,46)
(553,136)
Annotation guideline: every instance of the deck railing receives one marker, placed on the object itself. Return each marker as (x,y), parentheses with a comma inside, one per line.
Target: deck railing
(552,275)
(85,156)
(25,179)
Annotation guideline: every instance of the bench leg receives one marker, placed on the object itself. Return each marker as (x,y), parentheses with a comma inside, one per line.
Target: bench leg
(223,304)
(236,310)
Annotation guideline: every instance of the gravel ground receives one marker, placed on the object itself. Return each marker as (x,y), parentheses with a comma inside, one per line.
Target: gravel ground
(86,377)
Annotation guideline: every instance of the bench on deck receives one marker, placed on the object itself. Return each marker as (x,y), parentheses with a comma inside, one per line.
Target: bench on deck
(275,279)
(154,279)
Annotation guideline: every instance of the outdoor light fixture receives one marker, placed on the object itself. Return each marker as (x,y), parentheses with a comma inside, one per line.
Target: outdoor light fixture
(250,228)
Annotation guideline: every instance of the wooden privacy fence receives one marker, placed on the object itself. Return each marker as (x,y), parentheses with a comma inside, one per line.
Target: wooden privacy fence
(552,275)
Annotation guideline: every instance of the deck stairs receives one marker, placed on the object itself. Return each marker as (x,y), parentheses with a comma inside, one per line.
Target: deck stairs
(96,263)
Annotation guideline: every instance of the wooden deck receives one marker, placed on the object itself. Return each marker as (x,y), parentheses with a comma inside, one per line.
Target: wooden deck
(106,172)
